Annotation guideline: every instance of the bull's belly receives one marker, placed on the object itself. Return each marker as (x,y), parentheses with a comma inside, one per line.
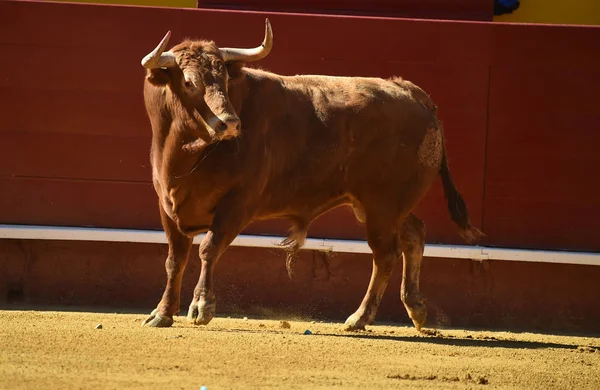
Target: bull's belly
(304,208)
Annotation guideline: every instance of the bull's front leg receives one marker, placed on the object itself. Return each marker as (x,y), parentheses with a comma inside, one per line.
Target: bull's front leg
(228,222)
(179,251)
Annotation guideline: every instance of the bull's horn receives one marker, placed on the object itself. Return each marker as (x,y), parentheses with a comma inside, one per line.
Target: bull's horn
(157,59)
(254,54)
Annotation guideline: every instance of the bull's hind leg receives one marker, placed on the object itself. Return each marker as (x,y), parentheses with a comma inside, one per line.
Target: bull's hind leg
(179,251)
(383,240)
(412,239)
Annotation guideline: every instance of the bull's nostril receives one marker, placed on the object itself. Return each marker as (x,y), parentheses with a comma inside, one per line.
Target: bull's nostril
(221,126)
(237,126)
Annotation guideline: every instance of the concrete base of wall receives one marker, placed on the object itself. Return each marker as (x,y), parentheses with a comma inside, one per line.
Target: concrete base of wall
(253,281)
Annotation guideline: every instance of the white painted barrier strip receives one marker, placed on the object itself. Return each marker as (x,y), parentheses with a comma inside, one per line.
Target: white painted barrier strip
(34,232)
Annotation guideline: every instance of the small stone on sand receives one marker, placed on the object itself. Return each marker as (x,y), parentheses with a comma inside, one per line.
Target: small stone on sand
(284,325)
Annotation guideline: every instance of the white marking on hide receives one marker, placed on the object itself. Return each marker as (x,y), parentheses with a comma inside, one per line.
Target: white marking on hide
(431,149)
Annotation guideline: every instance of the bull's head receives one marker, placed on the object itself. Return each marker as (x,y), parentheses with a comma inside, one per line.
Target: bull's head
(197,74)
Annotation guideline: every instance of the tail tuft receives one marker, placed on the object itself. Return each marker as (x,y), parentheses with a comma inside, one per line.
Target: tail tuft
(457,206)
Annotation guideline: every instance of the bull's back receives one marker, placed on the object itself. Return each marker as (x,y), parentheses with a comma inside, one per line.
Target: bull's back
(369,105)
(376,122)
(342,132)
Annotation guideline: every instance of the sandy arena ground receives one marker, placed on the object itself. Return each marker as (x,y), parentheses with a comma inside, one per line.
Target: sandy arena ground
(61,350)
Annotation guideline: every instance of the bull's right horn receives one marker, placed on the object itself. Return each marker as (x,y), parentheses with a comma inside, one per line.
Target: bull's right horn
(157,59)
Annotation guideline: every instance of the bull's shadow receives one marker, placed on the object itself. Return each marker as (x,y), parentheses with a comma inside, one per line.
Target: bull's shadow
(468,341)
(464,341)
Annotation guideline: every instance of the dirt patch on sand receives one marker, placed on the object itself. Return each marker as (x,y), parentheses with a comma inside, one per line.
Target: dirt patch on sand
(68,350)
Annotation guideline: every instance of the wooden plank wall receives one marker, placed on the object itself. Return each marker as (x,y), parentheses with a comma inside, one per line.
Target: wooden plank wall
(518,104)
(520,116)
(87,144)
(543,128)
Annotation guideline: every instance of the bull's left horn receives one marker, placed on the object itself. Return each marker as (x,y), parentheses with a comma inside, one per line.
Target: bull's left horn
(157,58)
(254,54)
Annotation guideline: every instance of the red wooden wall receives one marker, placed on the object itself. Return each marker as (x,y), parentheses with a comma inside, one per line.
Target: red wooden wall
(82,158)
(517,102)
(519,106)
(543,130)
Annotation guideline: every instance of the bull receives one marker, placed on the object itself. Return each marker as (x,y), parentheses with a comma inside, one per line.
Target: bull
(233,144)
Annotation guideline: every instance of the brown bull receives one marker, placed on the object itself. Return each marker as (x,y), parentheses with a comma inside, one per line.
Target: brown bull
(232,145)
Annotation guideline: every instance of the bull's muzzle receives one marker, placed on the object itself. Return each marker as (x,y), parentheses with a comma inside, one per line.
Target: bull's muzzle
(227,128)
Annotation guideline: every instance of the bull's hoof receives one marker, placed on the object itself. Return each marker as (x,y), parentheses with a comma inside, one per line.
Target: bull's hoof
(419,320)
(201,313)
(355,323)
(418,314)
(156,320)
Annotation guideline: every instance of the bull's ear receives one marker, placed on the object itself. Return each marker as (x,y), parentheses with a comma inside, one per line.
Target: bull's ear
(234,69)
(158,77)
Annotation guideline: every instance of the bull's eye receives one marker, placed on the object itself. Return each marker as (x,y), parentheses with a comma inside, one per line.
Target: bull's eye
(189,84)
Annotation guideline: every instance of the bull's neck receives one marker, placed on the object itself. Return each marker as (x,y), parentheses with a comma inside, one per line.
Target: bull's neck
(241,92)
(176,157)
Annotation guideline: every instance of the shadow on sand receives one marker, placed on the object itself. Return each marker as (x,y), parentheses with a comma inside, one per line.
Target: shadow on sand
(438,338)
(488,342)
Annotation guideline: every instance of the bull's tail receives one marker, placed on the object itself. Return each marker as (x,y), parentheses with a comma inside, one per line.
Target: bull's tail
(456,204)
